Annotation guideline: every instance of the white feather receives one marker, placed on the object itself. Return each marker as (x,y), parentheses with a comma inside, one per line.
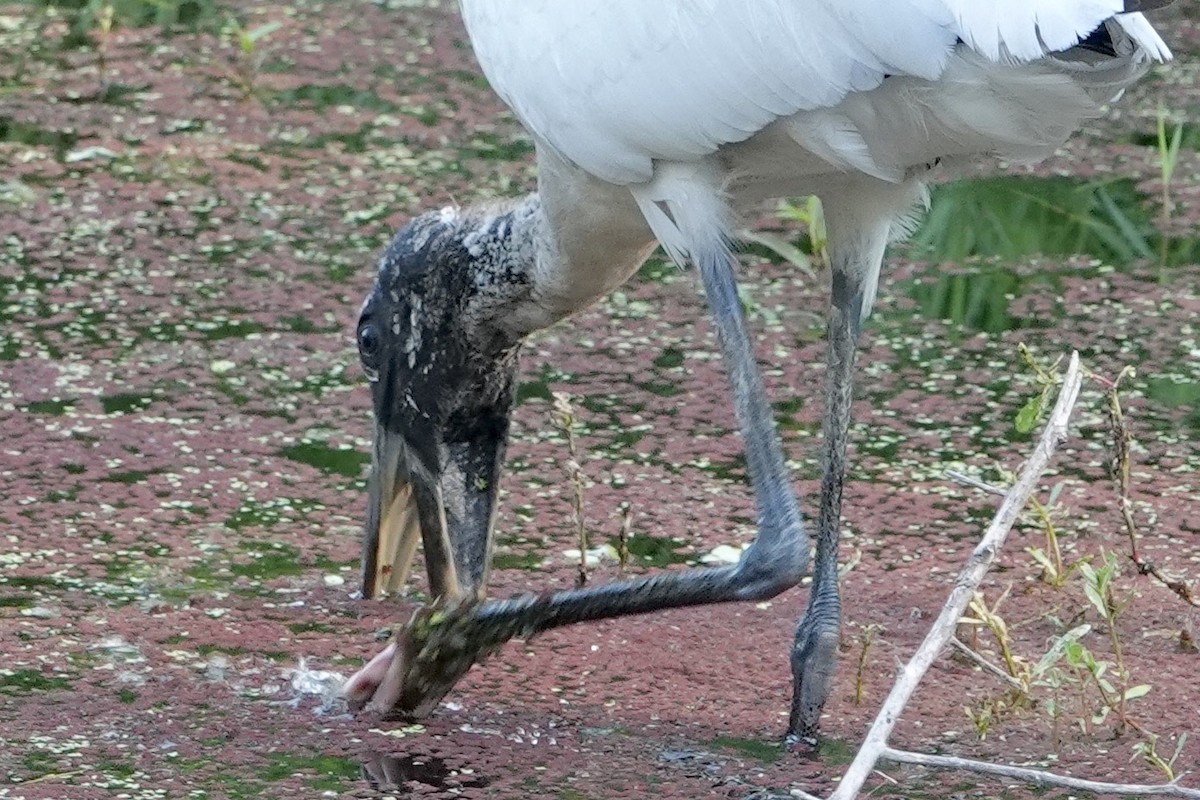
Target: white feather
(614,85)
(1142,33)
(698,106)
(685,207)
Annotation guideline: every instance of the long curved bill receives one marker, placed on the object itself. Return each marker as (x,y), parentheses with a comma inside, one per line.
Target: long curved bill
(451,509)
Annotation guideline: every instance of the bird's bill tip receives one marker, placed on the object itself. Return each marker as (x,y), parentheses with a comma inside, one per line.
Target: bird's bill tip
(393,527)
(451,510)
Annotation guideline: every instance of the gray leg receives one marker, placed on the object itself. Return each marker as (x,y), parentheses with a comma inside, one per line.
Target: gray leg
(777,558)
(411,675)
(814,653)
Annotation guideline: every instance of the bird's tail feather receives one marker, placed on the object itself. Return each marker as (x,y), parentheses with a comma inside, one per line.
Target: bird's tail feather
(1142,33)
(686,208)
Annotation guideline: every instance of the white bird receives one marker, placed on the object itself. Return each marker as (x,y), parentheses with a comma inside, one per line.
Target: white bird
(656,121)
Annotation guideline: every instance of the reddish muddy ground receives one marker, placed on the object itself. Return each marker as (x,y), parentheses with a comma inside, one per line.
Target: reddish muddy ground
(183,434)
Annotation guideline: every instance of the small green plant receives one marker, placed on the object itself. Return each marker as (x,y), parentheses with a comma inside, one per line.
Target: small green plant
(986,712)
(1047,381)
(1067,664)
(811,215)
(1050,559)
(250,56)
(1067,667)
(1147,751)
(1098,588)
(1168,159)
(1049,674)
(981,717)
(105,21)
(562,417)
(623,537)
(868,638)
(989,617)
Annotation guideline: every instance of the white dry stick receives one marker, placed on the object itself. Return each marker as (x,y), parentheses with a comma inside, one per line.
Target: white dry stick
(964,588)
(988,666)
(1039,777)
(976,483)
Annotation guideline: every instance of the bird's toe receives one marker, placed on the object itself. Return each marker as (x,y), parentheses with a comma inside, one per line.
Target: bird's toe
(361,687)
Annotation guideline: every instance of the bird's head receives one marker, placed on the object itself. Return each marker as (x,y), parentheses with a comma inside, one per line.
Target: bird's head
(442,374)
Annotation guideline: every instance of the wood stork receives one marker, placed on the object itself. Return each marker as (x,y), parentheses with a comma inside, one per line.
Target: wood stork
(655,122)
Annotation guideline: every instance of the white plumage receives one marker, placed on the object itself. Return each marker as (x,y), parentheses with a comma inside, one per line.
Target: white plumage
(767,98)
(615,84)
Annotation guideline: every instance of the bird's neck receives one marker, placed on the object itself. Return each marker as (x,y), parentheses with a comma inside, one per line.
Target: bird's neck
(500,243)
(551,254)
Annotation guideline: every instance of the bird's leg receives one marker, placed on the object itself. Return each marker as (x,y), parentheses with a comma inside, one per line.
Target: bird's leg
(436,650)
(814,653)
(779,553)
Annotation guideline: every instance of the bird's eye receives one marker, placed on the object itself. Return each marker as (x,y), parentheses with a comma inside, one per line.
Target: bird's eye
(368,340)
(368,348)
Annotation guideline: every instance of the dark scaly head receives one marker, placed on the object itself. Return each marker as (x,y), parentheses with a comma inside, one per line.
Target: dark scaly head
(436,341)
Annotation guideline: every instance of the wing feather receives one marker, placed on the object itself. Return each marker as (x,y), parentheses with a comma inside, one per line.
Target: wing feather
(614,85)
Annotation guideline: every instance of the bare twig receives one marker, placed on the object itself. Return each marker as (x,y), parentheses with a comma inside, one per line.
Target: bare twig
(986,665)
(563,417)
(967,582)
(623,537)
(1039,777)
(976,483)
(1122,441)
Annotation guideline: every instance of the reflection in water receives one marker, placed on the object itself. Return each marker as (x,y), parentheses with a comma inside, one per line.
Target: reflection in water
(1177,391)
(979,299)
(23,133)
(389,772)
(1014,218)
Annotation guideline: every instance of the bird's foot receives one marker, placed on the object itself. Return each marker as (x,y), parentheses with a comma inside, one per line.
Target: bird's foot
(413,673)
(800,745)
(814,658)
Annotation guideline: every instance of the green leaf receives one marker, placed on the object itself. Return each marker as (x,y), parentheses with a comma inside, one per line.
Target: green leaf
(1168,151)
(1030,413)
(1128,229)
(1043,560)
(816,217)
(1137,691)
(265,29)
(1062,647)
(1097,600)
(780,247)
